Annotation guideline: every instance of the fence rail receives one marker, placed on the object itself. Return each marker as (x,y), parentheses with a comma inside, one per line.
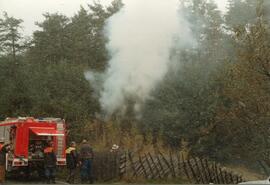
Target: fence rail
(109,166)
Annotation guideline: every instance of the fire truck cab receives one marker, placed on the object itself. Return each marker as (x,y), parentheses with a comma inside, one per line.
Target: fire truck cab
(28,137)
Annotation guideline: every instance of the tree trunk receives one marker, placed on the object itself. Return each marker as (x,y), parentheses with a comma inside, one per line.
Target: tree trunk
(13,49)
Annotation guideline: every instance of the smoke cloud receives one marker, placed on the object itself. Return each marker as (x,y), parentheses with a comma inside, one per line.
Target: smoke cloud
(141,36)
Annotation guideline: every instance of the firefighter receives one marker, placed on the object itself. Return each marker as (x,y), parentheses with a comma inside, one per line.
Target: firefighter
(86,159)
(72,161)
(4,148)
(50,163)
(115,148)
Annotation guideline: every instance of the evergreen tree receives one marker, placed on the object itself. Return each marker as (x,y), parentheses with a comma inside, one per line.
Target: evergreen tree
(184,105)
(50,43)
(10,35)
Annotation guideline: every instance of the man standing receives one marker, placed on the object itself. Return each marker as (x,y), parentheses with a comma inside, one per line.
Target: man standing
(3,150)
(86,158)
(50,163)
(72,161)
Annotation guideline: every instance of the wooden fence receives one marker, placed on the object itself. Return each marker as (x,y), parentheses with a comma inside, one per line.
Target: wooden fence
(106,166)
(128,165)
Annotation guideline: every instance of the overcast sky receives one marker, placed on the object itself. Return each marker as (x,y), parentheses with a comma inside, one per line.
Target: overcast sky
(31,11)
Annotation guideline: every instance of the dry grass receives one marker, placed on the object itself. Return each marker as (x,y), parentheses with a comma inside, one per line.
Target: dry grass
(103,135)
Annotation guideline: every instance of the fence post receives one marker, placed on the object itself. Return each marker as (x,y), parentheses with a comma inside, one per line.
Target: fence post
(166,162)
(200,173)
(192,171)
(185,169)
(208,170)
(149,166)
(216,172)
(132,165)
(142,166)
(206,177)
(178,164)
(231,178)
(161,167)
(155,165)
(226,177)
(122,164)
(221,176)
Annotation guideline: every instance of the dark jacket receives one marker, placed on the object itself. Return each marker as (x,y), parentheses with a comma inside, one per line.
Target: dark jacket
(49,157)
(3,151)
(71,157)
(86,152)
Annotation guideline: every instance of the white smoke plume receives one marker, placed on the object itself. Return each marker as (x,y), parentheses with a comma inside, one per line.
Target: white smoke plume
(140,38)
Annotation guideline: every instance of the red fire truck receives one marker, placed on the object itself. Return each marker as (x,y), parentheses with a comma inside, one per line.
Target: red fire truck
(28,137)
